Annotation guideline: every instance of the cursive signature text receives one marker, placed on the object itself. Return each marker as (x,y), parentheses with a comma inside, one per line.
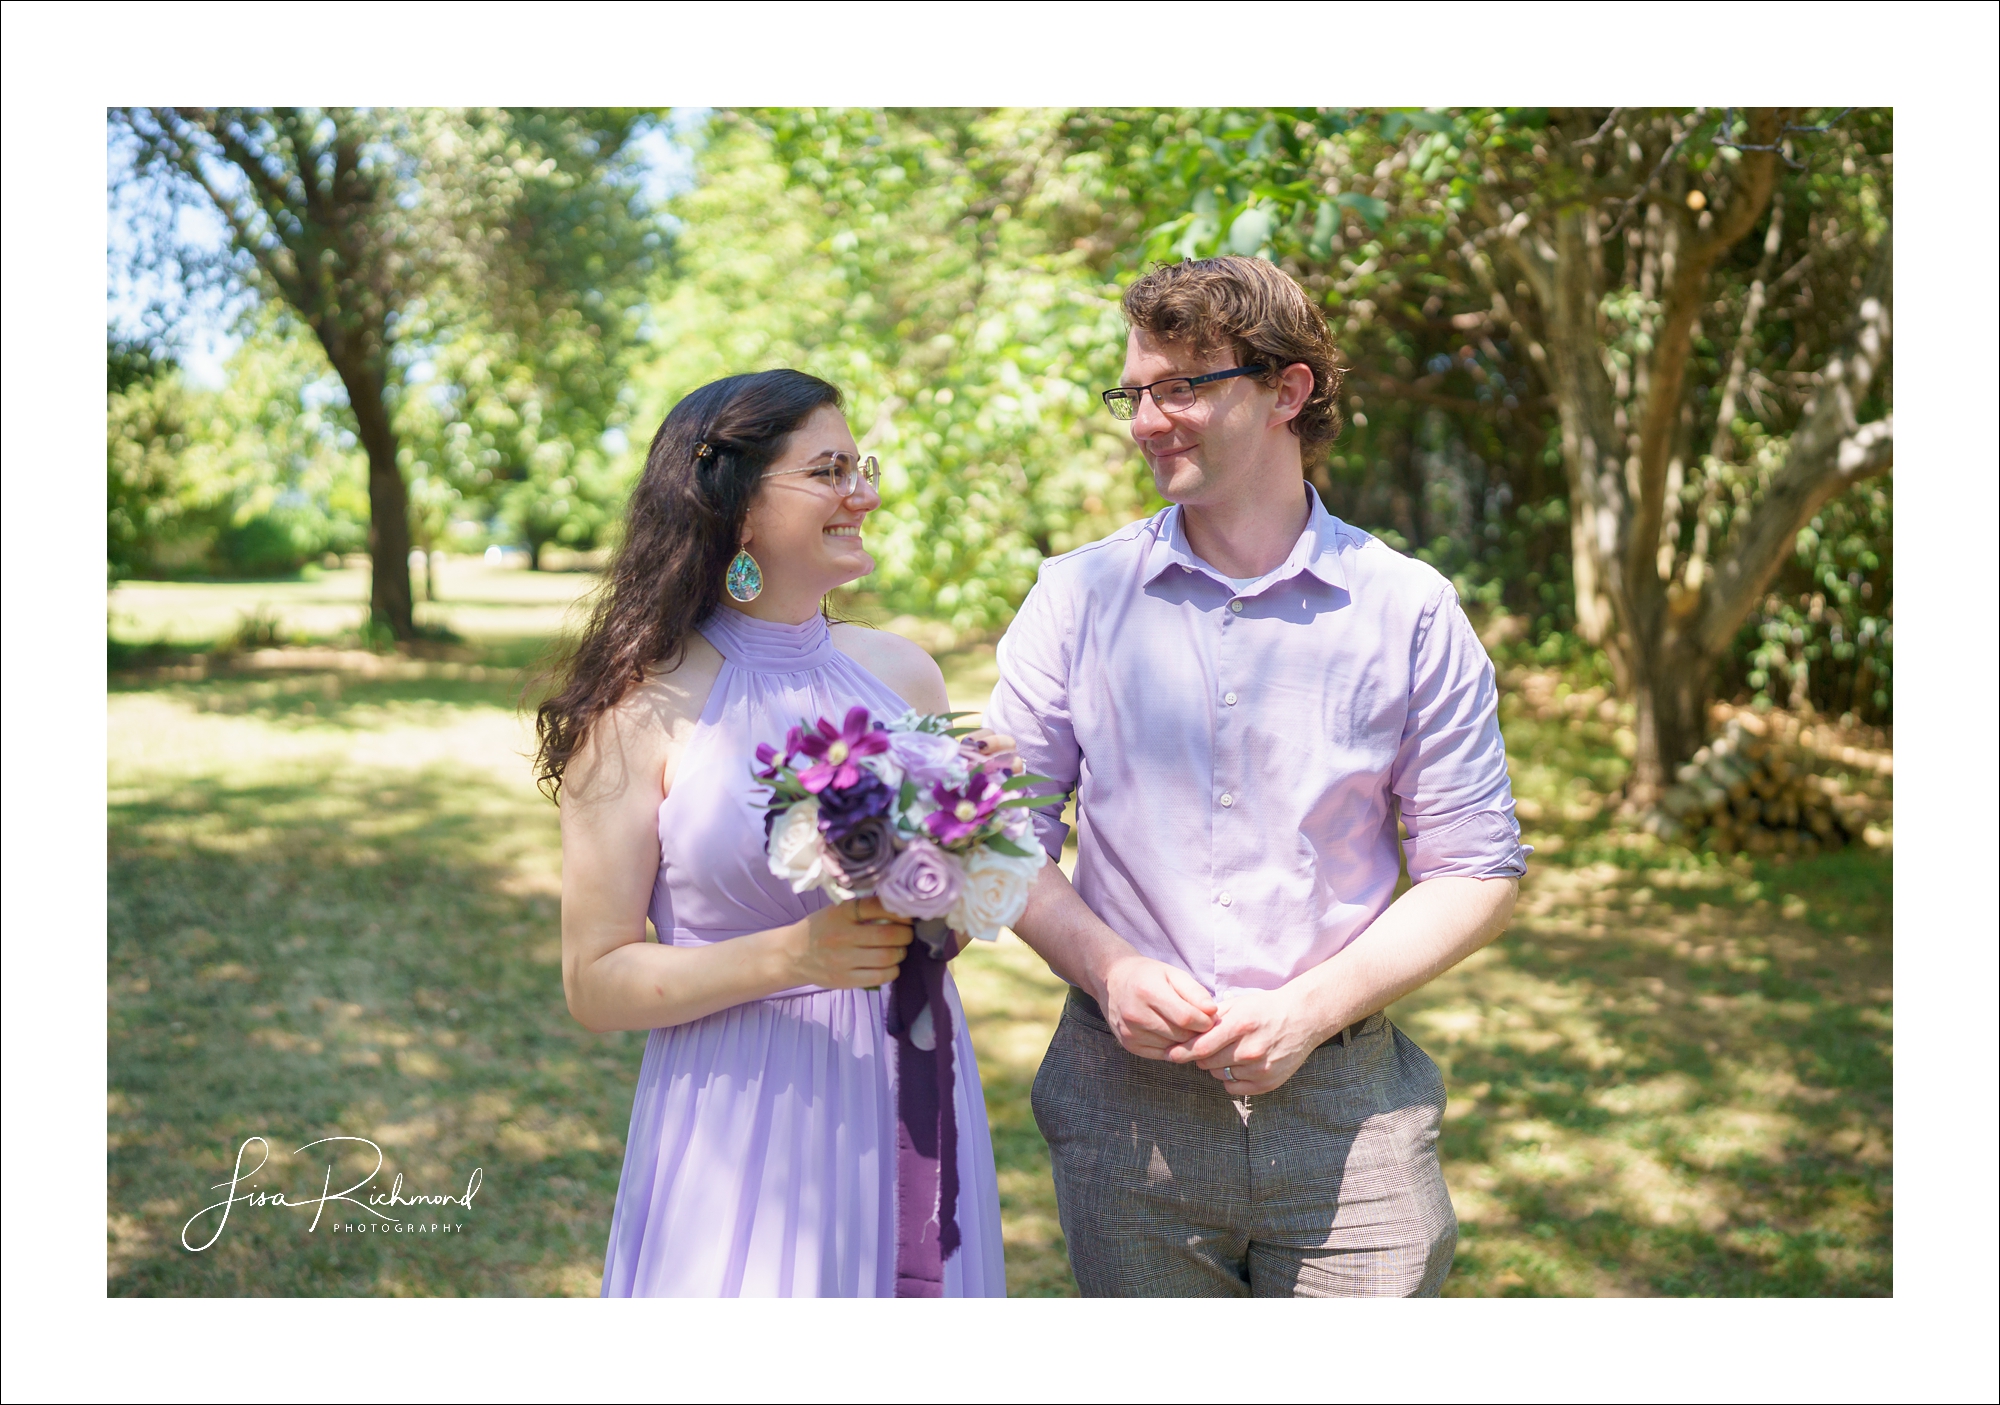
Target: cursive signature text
(352,1195)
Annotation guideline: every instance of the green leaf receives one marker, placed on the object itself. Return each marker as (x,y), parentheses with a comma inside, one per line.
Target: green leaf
(1251,230)
(1367,206)
(1325,222)
(1024,780)
(1008,847)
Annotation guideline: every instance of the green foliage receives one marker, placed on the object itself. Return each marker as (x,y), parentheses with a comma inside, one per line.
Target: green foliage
(1825,634)
(406,238)
(957,274)
(1449,451)
(256,478)
(1453,450)
(152,509)
(512,390)
(915,260)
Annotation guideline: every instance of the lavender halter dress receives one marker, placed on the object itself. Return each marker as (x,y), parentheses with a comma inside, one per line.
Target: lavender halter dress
(761,1160)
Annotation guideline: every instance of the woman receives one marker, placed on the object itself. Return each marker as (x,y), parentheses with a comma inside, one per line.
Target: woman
(762,1152)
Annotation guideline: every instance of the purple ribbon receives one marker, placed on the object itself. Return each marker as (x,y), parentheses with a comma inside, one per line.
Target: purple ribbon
(926,1124)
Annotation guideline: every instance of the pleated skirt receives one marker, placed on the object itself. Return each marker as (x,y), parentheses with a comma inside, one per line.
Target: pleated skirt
(762,1154)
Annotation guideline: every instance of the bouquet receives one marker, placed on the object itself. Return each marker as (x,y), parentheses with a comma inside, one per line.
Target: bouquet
(904,812)
(938,832)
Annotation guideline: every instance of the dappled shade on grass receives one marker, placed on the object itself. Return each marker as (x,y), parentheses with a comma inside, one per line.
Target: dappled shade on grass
(309,939)
(333,910)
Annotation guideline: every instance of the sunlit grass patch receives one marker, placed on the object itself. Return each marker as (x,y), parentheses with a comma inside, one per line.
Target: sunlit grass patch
(476,601)
(1672,1076)
(1012,1002)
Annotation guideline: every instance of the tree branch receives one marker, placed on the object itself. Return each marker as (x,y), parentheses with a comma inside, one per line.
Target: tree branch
(1672,346)
(1753,307)
(1632,201)
(1598,135)
(273,261)
(1831,451)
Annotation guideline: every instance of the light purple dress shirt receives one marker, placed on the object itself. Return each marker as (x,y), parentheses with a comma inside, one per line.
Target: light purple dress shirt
(1239,756)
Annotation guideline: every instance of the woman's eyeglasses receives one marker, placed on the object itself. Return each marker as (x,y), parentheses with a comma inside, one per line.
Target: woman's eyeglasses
(844,472)
(1172,395)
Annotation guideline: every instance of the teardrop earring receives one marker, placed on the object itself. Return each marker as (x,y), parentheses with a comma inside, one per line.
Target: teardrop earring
(744,580)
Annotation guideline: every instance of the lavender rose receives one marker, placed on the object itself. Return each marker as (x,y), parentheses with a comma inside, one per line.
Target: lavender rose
(926,757)
(923,882)
(861,855)
(1017,825)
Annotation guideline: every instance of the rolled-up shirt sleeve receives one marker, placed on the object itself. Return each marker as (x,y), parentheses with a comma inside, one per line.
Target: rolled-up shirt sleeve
(1031,703)
(1450,773)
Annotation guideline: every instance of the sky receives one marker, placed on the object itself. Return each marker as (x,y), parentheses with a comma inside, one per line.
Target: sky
(203,323)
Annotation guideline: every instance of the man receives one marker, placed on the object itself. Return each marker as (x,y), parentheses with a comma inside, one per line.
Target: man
(1245,691)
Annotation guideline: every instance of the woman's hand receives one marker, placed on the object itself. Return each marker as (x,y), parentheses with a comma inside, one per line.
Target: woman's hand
(996,749)
(848,946)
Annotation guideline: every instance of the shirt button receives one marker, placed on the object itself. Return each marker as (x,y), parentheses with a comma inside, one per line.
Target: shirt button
(1224,900)
(1229,698)
(1227,801)
(1236,606)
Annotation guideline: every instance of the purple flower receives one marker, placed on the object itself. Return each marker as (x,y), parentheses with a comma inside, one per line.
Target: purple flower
(774,760)
(961,813)
(863,853)
(923,882)
(840,809)
(837,752)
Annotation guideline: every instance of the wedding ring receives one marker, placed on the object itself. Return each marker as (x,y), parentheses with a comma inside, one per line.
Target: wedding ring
(1228,1073)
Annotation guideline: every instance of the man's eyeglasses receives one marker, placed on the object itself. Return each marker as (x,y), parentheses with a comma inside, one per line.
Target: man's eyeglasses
(844,472)
(1171,395)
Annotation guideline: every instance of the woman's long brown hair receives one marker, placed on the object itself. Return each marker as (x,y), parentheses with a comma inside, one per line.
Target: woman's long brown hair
(681,531)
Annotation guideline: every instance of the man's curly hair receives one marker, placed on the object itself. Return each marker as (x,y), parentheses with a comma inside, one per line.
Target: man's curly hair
(1253,309)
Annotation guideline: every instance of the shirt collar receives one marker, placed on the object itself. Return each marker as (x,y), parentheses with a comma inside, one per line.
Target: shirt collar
(1315,553)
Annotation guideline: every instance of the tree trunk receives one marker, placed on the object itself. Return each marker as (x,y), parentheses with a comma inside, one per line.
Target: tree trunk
(389,601)
(1665,635)
(1599,502)
(1670,688)
(319,256)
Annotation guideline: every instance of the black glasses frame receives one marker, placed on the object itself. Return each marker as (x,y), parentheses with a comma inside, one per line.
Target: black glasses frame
(1123,401)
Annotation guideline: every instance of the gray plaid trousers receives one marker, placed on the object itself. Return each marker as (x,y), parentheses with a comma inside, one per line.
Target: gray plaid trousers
(1168,1187)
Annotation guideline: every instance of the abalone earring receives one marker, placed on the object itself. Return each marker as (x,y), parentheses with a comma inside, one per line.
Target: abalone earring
(744,580)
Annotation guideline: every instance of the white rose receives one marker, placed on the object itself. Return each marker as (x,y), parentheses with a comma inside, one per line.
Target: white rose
(796,854)
(995,893)
(885,769)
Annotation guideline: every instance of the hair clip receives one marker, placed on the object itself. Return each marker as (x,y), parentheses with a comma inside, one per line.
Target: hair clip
(704,450)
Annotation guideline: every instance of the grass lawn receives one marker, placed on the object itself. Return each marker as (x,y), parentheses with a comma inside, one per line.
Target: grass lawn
(333,911)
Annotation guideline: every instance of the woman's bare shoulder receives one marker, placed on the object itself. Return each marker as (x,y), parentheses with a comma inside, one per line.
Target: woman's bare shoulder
(676,695)
(901,663)
(642,734)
